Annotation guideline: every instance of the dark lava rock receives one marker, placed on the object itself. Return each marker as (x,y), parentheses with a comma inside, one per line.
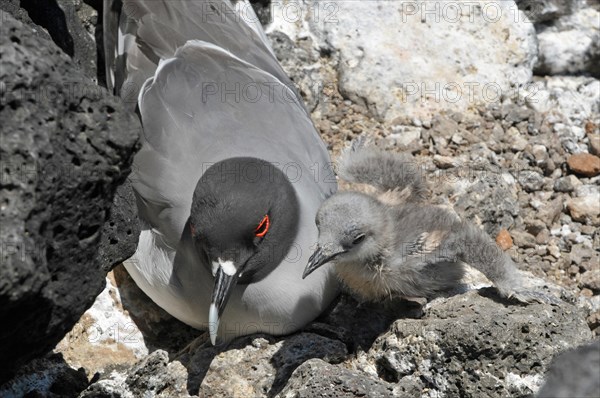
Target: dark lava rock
(48,377)
(475,346)
(317,378)
(468,345)
(65,149)
(359,324)
(262,8)
(545,11)
(71,24)
(153,376)
(14,8)
(120,233)
(575,373)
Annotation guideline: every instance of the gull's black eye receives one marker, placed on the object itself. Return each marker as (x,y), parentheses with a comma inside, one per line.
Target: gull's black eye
(358,239)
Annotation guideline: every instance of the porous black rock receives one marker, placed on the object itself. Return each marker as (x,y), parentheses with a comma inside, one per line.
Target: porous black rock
(318,378)
(71,24)
(476,345)
(66,146)
(574,373)
(120,232)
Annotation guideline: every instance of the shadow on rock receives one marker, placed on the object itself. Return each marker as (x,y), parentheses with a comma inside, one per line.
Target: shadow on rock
(197,358)
(49,376)
(345,328)
(49,15)
(297,349)
(574,373)
(74,26)
(359,324)
(166,338)
(159,329)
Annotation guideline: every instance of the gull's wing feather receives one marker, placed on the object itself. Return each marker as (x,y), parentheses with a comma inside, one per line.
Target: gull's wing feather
(153,31)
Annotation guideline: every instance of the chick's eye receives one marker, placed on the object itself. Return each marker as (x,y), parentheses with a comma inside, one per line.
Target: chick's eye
(263,227)
(358,239)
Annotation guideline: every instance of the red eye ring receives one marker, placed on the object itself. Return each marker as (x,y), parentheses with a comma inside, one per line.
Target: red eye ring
(192,229)
(263,227)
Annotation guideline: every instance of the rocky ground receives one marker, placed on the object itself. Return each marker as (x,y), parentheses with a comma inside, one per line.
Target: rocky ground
(524,165)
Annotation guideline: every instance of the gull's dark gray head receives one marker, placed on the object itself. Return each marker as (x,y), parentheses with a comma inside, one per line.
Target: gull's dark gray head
(243,221)
(351,226)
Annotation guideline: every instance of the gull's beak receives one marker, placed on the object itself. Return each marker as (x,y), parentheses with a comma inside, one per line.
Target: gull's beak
(318,258)
(226,278)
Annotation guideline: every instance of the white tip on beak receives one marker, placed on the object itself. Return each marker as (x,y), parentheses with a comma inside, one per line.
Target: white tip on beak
(213,323)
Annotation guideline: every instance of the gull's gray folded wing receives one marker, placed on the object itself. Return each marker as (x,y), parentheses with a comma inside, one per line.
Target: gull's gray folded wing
(152,31)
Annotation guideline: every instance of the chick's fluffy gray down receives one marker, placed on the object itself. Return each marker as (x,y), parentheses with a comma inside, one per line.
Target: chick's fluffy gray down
(386,243)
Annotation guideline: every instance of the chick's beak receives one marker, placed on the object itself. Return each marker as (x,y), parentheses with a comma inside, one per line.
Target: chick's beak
(318,258)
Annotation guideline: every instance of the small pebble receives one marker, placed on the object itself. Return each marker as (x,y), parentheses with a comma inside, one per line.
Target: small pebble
(530,180)
(584,164)
(504,240)
(543,237)
(541,250)
(566,184)
(591,280)
(585,209)
(573,270)
(554,251)
(444,162)
(457,139)
(523,239)
(594,144)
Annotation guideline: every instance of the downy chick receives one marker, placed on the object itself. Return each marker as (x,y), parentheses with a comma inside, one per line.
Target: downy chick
(383,248)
